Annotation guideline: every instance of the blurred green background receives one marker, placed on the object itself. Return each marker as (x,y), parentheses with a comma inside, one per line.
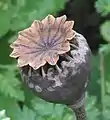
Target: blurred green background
(92,19)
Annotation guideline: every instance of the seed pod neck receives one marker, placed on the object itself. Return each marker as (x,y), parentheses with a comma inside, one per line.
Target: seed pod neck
(80,113)
(79,109)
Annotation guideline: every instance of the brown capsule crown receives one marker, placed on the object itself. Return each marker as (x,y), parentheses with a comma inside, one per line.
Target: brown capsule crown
(43,42)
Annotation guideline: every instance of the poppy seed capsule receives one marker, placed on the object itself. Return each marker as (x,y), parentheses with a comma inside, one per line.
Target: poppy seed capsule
(66,82)
(54,60)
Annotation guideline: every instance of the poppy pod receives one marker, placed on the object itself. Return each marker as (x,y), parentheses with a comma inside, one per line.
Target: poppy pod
(54,60)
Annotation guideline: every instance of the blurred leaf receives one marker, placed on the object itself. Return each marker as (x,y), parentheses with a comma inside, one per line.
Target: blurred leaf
(19,14)
(31,10)
(95,77)
(48,110)
(42,108)
(107,101)
(107,114)
(68,117)
(14,112)
(12,39)
(29,97)
(92,110)
(108,86)
(28,114)
(3,116)
(104,49)
(11,107)
(6,11)
(105,30)
(59,110)
(10,85)
(107,68)
(103,7)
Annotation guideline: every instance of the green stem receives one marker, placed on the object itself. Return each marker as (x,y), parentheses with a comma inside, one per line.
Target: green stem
(102,80)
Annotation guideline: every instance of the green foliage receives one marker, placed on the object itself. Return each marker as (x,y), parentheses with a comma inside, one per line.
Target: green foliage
(14,111)
(28,114)
(3,116)
(103,7)
(9,84)
(18,14)
(92,112)
(105,30)
(104,49)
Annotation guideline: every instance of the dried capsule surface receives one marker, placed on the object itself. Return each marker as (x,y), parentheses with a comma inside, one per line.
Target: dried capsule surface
(43,42)
(68,85)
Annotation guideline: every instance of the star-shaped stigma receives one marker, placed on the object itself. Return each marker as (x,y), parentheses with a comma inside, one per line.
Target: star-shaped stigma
(43,42)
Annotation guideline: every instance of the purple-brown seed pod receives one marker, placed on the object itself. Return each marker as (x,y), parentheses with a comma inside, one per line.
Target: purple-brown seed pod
(43,42)
(54,60)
